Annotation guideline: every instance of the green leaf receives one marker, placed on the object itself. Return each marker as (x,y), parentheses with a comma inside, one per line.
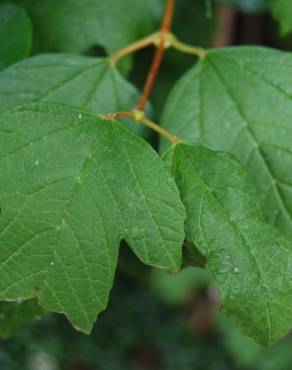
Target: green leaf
(83,82)
(244,351)
(249,260)
(282,11)
(176,289)
(72,26)
(15,34)
(239,100)
(72,186)
(15,315)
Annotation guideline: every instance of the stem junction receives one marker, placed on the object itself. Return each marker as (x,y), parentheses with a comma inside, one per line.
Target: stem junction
(140,117)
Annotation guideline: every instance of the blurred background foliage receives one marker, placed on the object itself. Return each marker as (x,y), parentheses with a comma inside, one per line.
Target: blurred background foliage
(164,322)
(155,320)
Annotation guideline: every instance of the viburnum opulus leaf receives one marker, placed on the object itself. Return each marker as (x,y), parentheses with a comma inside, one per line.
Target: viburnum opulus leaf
(72,186)
(83,82)
(250,261)
(239,100)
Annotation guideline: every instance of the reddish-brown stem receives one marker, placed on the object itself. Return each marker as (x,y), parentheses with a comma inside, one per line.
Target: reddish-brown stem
(118,115)
(164,29)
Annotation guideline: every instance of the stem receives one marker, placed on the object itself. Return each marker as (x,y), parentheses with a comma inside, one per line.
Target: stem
(143,43)
(168,16)
(185,48)
(139,116)
(164,30)
(118,115)
(154,39)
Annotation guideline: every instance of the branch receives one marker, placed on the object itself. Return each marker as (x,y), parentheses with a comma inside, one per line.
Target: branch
(164,30)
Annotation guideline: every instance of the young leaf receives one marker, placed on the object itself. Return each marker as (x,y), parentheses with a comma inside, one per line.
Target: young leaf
(84,82)
(72,186)
(15,34)
(239,100)
(282,11)
(15,315)
(249,260)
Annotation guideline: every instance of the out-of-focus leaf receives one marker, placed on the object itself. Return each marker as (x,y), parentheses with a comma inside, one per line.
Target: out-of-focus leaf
(244,350)
(15,315)
(176,288)
(15,34)
(77,25)
(282,11)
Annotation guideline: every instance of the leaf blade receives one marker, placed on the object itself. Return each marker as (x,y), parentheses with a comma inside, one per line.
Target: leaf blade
(249,260)
(84,82)
(214,111)
(83,184)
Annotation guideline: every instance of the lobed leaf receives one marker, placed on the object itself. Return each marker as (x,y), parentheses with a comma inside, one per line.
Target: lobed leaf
(239,100)
(72,186)
(83,82)
(249,260)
